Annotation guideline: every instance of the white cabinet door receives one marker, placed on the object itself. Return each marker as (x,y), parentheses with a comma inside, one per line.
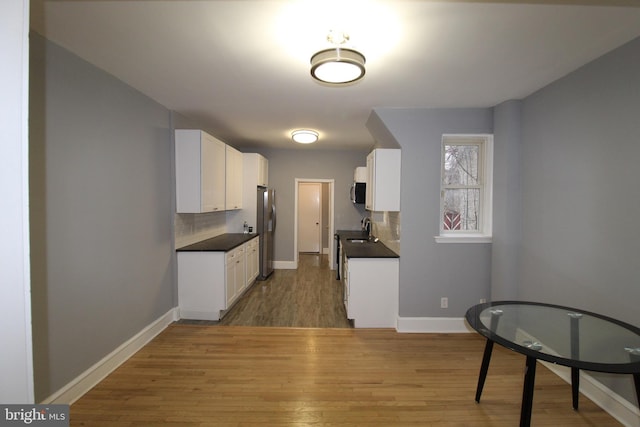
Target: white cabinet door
(263,171)
(235,281)
(344,274)
(235,274)
(233,179)
(230,279)
(252,261)
(200,172)
(240,272)
(251,179)
(368,203)
(213,176)
(383,183)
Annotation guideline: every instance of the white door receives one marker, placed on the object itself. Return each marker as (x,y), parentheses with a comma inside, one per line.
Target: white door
(309,214)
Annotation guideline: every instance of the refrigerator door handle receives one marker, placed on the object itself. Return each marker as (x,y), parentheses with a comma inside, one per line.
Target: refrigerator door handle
(273,227)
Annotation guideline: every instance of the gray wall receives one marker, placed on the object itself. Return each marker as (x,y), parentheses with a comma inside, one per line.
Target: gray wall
(507,214)
(287,165)
(101,214)
(430,270)
(580,204)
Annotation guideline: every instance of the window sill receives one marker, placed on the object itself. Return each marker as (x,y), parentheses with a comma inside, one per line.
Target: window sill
(464,238)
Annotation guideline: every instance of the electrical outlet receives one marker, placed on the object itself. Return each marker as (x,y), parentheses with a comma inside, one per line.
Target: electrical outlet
(483,300)
(444,302)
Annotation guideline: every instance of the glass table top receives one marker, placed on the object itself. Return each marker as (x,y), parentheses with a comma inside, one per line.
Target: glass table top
(562,335)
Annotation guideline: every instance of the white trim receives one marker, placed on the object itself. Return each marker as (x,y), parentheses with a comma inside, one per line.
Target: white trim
(611,402)
(99,371)
(16,367)
(199,315)
(444,325)
(487,194)
(26,233)
(331,226)
(285,265)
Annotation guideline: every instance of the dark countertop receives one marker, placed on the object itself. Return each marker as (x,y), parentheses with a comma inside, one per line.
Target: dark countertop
(363,250)
(221,243)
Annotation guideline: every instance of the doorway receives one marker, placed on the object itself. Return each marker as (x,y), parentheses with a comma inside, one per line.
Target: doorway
(309,217)
(309,237)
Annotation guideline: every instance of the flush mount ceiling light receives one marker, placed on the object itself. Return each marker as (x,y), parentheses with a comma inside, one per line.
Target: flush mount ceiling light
(304,136)
(337,65)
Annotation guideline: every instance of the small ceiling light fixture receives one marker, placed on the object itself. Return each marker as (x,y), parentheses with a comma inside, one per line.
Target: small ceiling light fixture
(304,136)
(337,65)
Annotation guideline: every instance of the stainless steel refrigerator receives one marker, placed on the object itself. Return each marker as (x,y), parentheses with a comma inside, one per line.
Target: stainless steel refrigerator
(266,228)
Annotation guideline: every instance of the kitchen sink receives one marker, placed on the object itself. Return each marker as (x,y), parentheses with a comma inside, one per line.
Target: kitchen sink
(359,240)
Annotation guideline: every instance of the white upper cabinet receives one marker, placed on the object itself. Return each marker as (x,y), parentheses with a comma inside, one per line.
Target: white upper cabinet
(383,180)
(256,171)
(234,179)
(263,171)
(200,172)
(254,175)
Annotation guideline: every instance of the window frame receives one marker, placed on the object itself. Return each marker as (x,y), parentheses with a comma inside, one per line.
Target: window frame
(484,232)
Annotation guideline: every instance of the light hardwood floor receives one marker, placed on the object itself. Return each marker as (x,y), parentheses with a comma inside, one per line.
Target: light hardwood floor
(220,375)
(193,375)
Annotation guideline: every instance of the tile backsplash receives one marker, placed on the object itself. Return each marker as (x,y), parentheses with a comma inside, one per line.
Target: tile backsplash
(386,226)
(191,228)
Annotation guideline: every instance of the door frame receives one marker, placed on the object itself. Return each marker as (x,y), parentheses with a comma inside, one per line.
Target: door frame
(313,190)
(331,183)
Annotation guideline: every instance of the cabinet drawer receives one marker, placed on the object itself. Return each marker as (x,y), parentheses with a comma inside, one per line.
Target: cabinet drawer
(233,254)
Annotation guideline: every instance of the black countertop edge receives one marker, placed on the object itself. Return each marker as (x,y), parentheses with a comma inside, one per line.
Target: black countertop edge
(363,250)
(221,243)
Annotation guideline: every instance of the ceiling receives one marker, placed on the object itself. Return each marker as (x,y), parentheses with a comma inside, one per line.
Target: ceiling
(241,67)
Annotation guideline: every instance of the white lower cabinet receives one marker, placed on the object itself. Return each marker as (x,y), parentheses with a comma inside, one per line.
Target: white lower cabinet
(235,268)
(371,291)
(210,282)
(253,258)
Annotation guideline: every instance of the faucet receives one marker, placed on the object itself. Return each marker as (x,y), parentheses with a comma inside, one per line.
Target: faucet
(366,225)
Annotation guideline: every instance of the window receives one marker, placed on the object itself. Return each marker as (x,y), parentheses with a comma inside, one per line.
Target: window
(465,188)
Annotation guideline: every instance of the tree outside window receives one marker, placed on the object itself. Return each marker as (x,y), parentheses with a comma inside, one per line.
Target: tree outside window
(463,184)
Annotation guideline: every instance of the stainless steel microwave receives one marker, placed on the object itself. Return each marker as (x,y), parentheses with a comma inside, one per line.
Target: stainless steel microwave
(358,191)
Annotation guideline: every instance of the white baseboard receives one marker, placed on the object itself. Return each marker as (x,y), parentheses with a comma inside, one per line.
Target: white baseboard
(611,402)
(96,373)
(433,325)
(199,315)
(285,265)
(614,404)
